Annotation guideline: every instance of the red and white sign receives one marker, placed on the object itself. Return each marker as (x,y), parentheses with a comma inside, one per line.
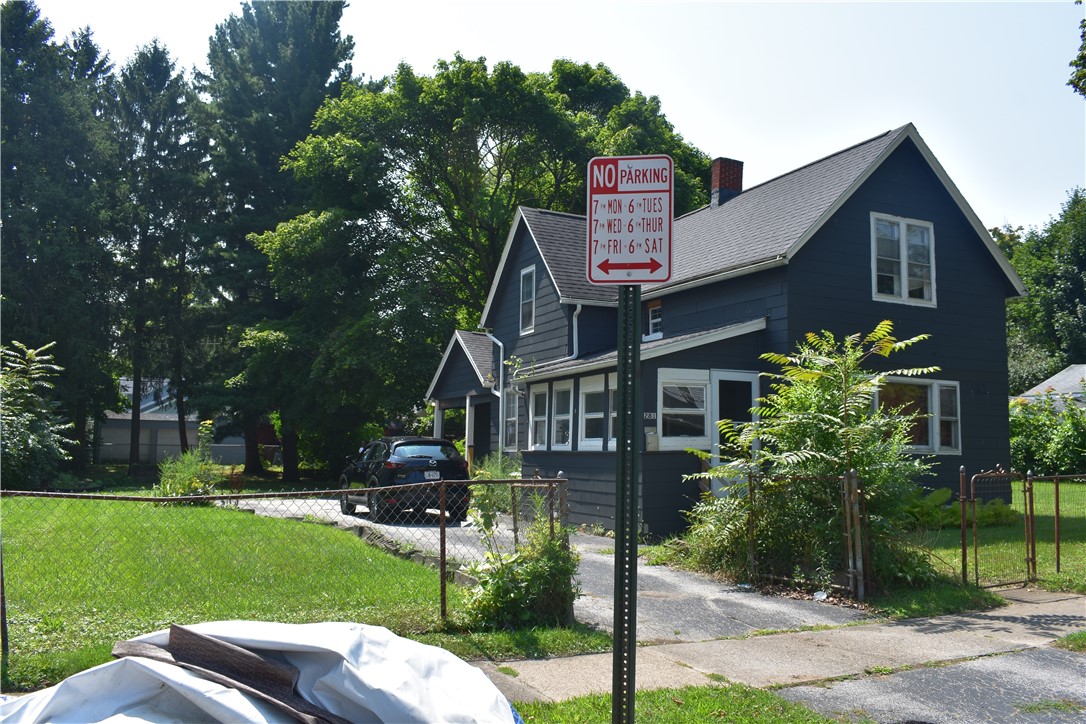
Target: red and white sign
(630,210)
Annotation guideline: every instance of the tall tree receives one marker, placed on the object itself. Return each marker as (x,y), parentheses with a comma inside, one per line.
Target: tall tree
(58,175)
(470,144)
(1078,65)
(1047,329)
(159,212)
(269,69)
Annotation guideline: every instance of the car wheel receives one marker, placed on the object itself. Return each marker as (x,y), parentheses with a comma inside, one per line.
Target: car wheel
(379,509)
(345,506)
(458,512)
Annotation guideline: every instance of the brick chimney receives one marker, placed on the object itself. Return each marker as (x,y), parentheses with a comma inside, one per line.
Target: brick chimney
(727,180)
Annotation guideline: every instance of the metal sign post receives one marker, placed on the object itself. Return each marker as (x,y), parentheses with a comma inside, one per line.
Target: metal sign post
(630,212)
(628,476)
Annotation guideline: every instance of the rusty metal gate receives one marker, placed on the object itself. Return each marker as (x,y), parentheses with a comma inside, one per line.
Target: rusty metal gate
(1001,555)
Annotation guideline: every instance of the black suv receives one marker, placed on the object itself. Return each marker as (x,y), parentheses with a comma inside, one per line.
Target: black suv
(402,461)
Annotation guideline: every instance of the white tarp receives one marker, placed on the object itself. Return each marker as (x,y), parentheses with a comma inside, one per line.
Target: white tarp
(358,672)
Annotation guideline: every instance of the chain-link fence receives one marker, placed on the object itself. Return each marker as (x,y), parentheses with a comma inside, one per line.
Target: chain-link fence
(101,568)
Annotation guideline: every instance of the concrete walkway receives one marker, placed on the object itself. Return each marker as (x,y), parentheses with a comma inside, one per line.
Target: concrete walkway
(988,666)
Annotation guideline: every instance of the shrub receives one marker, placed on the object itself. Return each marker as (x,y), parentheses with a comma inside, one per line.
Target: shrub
(191,472)
(31,429)
(819,421)
(1048,436)
(531,587)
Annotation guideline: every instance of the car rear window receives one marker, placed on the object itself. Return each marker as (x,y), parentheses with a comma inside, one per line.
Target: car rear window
(428,450)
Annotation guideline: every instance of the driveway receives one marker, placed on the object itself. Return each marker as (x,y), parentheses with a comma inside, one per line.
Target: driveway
(672,606)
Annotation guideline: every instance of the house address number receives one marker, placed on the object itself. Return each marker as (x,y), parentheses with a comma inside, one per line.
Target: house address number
(650,415)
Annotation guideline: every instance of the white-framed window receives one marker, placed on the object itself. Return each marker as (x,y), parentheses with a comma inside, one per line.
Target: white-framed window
(682,402)
(562,416)
(902,260)
(527,300)
(593,413)
(537,412)
(512,421)
(655,320)
(937,402)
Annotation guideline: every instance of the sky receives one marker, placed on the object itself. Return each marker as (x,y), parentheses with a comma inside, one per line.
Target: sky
(775,85)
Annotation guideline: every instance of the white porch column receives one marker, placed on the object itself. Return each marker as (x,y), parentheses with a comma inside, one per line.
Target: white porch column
(439,419)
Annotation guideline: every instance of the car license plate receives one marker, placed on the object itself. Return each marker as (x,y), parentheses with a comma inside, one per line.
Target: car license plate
(433,475)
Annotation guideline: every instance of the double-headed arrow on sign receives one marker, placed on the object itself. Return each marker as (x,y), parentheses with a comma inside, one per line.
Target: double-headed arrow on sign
(607,266)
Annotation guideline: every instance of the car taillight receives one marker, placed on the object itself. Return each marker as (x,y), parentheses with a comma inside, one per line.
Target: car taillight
(464,464)
(393,466)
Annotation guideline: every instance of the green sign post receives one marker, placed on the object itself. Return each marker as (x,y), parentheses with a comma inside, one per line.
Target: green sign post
(627,479)
(630,212)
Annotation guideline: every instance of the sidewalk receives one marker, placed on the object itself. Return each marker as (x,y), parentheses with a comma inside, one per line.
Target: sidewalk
(1032,620)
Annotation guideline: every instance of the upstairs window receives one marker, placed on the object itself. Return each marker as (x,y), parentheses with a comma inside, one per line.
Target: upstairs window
(527,300)
(655,320)
(938,428)
(903,260)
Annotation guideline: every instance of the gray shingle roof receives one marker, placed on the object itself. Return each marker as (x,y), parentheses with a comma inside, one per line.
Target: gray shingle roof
(480,351)
(1067,381)
(762,224)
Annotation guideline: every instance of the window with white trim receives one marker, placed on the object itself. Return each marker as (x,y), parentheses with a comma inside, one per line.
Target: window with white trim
(938,429)
(537,412)
(683,408)
(655,320)
(527,300)
(593,414)
(562,416)
(902,260)
(511,422)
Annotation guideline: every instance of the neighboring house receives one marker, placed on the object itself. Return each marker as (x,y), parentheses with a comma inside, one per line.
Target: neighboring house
(160,437)
(1067,383)
(877,231)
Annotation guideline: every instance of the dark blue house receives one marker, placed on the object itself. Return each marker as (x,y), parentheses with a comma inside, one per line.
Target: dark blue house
(877,231)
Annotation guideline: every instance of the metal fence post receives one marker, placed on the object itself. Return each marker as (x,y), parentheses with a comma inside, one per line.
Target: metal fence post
(1055,515)
(961,504)
(442,560)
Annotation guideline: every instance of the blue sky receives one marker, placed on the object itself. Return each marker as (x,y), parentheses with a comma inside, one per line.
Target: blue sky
(776,85)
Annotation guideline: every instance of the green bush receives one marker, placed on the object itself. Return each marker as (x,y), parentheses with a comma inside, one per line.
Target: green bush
(820,421)
(935,511)
(31,429)
(1048,436)
(532,587)
(191,472)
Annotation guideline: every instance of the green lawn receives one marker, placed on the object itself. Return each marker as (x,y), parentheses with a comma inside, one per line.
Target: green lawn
(1002,551)
(725,702)
(82,574)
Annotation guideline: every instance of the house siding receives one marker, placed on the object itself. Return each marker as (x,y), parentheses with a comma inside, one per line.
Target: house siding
(830,283)
(550,338)
(458,378)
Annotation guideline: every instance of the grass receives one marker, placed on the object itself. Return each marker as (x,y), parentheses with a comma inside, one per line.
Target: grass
(1002,551)
(1073,642)
(729,702)
(83,574)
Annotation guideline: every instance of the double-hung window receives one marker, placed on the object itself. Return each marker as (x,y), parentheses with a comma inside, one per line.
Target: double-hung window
(562,416)
(938,425)
(683,408)
(537,435)
(593,414)
(527,300)
(655,320)
(903,260)
(511,422)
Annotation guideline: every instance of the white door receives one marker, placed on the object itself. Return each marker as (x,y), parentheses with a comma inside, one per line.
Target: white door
(734,393)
